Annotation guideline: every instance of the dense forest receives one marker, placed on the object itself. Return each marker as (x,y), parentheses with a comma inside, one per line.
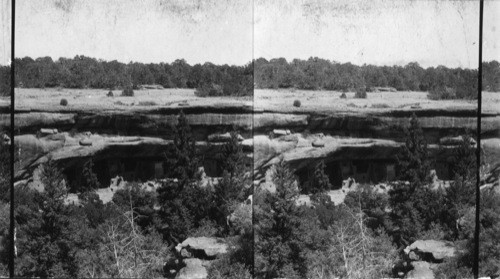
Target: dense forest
(224,80)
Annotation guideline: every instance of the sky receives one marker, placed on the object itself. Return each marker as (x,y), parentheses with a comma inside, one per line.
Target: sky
(5,27)
(218,31)
(380,32)
(491,31)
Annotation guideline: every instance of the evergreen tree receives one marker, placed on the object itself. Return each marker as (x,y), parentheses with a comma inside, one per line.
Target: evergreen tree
(409,198)
(234,187)
(45,239)
(277,222)
(90,181)
(320,182)
(183,203)
(184,161)
(413,159)
(464,159)
(232,154)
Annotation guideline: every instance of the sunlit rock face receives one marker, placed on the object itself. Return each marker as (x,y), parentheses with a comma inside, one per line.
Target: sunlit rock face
(133,142)
(358,142)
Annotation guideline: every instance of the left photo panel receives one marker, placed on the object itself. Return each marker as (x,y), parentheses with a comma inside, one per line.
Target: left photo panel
(5,136)
(133,124)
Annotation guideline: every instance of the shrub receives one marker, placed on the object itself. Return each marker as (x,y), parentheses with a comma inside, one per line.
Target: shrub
(128,92)
(208,90)
(63,102)
(382,105)
(147,103)
(360,93)
(296,103)
(343,96)
(442,93)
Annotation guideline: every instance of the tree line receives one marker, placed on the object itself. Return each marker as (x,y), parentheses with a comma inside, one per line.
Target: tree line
(87,72)
(320,74)
(224,80)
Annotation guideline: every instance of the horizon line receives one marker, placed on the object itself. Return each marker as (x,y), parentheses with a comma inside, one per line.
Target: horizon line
(253,60)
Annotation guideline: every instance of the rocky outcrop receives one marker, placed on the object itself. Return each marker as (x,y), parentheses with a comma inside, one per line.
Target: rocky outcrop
(63,146)
(153,123)
(364,124)
(425,255)
(421,270)
(194,269)
(430,250)
(196,254)
(202,247)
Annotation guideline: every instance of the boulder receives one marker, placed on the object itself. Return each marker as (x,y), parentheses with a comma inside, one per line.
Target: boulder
(203,246)
(86,142)
(279,132)
(450,141)
(421,270)
(223,137)
(194,269)
(185,253)
(318,143)
(45,132)
(303,200)
(292,138)
(430,250)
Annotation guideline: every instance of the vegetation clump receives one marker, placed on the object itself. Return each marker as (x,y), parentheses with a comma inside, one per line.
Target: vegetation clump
(442,93)
(147,103)
(209,90)
(128,92)
(360,93)
(5,80)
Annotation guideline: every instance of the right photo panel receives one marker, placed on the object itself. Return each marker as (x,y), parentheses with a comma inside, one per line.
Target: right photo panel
(489,240)
(365,140)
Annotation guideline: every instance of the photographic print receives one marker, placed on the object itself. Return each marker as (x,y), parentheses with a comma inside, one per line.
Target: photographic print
(134,135)
(197,139)
(365,138)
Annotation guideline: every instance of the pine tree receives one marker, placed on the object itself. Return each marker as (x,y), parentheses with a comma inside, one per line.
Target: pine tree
(413,159)
(184,204)
(232,188)
(464,158)
(232,154)
(184,160)
(45,244)
(277,222)
(90,181)
(407,199)
(320,182)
